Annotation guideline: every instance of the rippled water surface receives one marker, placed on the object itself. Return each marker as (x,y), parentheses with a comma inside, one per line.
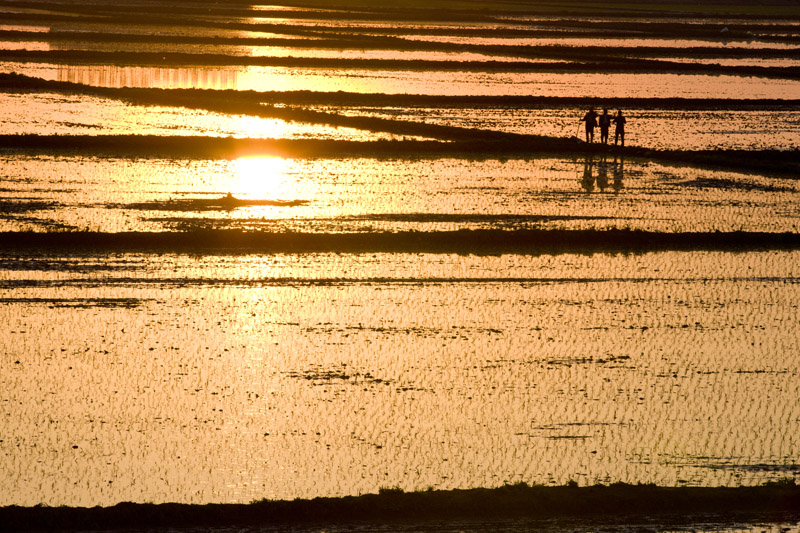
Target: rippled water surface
(662,129)
(71,114)
(180,378)
(600,85)
(345,195)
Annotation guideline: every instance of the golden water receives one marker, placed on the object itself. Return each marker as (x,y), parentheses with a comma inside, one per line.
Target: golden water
(199,379)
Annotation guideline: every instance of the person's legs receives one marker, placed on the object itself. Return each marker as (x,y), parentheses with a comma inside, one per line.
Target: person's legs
(622,138)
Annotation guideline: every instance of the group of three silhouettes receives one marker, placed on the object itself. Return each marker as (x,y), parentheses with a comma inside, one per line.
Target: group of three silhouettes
(594,120)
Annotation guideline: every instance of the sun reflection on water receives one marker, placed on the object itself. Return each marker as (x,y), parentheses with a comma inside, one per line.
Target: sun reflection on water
(262,177)
(247,126)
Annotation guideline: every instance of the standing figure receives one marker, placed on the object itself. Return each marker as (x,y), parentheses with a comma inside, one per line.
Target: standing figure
(591,123)
(605,123)
(619,130)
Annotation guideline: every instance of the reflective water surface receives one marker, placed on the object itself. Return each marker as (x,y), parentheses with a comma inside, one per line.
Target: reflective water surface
(73,114)
(663,129)
(599,85)
(230,378)
(346,195)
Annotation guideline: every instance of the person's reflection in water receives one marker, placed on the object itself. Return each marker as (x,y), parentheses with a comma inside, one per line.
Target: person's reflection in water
(619,173)
(587,181)
(602,173)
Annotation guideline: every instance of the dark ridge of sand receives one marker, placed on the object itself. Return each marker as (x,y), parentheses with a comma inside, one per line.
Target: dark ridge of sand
(480,145)
(478,242)
(334,225)
(13,82)
(622,502)
(79,303)
(204,204)
(18,206)
(173,59)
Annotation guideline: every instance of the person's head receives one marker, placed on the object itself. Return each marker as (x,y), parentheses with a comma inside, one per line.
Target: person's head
(605,111)
(591,110)
(619,113)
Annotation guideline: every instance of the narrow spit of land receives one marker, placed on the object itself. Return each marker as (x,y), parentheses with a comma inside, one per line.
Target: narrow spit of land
(778,501)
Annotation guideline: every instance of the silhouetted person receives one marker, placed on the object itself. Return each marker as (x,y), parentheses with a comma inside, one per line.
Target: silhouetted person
(587,181)
(602,173)
(591,123)
(619,173)
(605,123)
(619,130)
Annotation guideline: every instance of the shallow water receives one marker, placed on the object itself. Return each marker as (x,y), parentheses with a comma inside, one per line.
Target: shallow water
(661,129)
(73,114)
(346,195)
(257,51)
(197,379)
(599,85)
(65,114)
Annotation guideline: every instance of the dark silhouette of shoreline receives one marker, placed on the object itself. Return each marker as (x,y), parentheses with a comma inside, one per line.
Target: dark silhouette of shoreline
(779,501)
